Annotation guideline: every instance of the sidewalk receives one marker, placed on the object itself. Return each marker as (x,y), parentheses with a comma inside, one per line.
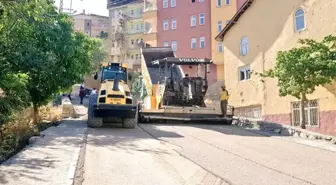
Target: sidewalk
(51,160)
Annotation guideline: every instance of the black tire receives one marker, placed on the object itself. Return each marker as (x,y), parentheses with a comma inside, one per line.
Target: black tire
(129,123)
(92,121)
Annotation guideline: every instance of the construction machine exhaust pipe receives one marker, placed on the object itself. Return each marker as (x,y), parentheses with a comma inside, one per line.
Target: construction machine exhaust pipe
(116,83)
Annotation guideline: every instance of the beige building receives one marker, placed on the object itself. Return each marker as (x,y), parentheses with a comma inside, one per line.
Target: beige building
(132,13)
(150,23)
(91,24)
(221,13)
(251,41)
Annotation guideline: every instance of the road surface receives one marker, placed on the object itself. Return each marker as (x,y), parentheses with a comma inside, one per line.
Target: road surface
(198,154)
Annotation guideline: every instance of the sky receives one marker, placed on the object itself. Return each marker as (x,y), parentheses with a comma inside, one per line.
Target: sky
(90,6)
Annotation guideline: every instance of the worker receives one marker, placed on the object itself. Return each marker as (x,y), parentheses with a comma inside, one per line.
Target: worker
(81,94)
(224,100)
(94,91)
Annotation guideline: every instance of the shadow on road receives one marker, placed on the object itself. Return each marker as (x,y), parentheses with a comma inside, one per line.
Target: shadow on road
(38,161)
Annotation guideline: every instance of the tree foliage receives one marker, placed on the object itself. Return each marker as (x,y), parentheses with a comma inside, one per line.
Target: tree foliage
(300,70)
(98,54)
(40,54)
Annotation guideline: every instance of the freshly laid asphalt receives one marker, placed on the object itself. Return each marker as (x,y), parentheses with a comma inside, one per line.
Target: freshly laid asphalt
(157,154)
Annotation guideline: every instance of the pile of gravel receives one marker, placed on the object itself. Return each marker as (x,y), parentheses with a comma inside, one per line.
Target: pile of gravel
(212,97)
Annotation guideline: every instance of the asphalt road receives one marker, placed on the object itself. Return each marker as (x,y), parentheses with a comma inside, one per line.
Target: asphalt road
(116,156)
(200,155)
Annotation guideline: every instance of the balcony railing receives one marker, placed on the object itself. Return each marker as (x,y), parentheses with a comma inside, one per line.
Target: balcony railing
(150,6)
(149,28)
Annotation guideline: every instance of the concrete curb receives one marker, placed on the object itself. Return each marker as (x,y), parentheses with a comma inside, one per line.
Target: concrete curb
(282,130)
(68,109)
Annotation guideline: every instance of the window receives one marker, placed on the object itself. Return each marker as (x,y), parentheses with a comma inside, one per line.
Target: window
(166,44)
(136,56)
(193,20)
(174,45)
(141,26)
(219,26)
(201,19)
(244,47)
(173,3)
(193,43)
(244,73)
(132,12)
(132,42)
(165,3)
(227,2)
(220,47)
(137,26)
(299,20)
(202,42)
(311,113)
(219,2)
(165,25)
(173,24)
(193,1)
(201,0)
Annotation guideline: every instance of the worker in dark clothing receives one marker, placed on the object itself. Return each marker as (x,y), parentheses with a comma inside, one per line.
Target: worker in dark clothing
(81,94)
(224,101)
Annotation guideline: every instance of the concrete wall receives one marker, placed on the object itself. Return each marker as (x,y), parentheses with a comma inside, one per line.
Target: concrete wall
(270,30)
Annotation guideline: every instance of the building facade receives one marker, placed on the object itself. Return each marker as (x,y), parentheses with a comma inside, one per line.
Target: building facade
(251,42)
(221,13)
(150,18)
(91,24)
(131,12)
(185,26)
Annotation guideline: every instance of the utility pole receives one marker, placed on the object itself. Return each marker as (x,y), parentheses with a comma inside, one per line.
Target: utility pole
(61,7)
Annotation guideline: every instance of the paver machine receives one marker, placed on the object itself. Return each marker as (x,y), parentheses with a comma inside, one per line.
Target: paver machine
(113,101)
(177,96)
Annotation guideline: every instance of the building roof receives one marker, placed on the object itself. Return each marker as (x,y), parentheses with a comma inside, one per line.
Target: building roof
(93,15)
(234,20)
(118,3)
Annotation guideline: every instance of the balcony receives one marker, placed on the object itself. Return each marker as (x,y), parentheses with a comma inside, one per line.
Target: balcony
(150,5)
(150,32)
(136,45)
(115,51)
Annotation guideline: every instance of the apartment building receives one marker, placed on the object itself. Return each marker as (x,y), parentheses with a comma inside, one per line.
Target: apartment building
(251,41)
(221,13)
(185,26)
(150,18)
(131,12)
(90,24)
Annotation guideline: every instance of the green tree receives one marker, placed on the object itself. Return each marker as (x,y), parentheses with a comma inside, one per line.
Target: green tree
(98,54)
(300,70)
(41,44)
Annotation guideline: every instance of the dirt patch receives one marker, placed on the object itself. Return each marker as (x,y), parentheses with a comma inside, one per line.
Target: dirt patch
(14,136)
